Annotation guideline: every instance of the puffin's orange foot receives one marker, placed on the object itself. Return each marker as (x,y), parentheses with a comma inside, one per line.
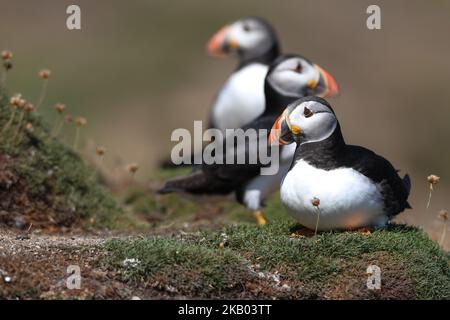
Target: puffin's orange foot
(260,218)
(364,231)
(302,232)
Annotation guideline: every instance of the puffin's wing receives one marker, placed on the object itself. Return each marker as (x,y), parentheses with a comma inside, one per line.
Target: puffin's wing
(394,189)
(225,178)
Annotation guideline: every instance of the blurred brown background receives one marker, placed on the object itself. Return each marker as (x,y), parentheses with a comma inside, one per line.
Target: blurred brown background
(138,69)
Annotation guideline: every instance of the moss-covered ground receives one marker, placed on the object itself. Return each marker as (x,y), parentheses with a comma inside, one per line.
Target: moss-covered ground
(43,181)
(280,260)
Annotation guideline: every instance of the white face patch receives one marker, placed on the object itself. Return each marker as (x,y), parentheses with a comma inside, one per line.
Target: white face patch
(315,120)
(292,76)
(250,34)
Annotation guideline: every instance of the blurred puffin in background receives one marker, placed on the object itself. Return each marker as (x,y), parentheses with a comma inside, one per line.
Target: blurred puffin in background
(253,41)
(241,99)
(332,185)
(289,78)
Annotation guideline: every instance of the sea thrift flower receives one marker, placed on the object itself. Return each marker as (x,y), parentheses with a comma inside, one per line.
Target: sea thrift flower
(132,168)
(60,108)
(29,127)
(316,203)
(432,181)
(80,122)
(14,101)
(45,75)
(7,65)
(100,151)
(28,107)
(7,55)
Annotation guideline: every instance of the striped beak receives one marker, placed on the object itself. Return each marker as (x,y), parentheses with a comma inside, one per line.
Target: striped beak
(324,86)
(329,87)
(220,44)
(281,132)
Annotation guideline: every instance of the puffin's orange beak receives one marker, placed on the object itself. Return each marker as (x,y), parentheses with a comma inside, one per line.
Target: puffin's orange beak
(275,132)
(331,87)
(280,133)
(216,44)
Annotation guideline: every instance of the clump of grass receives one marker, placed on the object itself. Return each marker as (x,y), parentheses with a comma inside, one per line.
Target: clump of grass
(26,110)
(314,262)
(187,268)
(51,171)
(432,181)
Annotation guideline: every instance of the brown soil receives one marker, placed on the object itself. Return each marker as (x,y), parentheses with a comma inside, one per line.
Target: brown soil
(18,208)
(351,284)
(34,266)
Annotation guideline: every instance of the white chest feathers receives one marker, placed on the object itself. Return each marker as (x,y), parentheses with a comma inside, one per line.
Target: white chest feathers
(348,199)
(241,99)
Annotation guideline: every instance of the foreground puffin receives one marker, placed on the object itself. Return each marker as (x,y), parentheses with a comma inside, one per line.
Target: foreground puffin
(347,186)
(241,99)
(288,78)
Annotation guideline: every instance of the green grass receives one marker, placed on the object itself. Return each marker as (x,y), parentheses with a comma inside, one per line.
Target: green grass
(317,264)
(53,173)
(331,264)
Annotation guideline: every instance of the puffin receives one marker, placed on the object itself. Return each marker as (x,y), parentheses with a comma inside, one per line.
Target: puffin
(288,78)
(332,185)
(241,99)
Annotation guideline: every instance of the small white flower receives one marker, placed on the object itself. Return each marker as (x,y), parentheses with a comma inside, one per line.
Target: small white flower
(131,262)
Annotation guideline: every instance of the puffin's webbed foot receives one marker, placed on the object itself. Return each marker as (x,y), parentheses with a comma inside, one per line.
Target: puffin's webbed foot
(260,218)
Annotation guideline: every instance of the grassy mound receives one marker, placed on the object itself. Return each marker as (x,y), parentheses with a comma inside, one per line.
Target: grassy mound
(43,181)
(281,260)
(277,261)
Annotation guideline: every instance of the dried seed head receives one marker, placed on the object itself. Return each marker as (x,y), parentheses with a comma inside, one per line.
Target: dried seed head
(7,55)
(80,121)
(443,214)
(21,103)
(100,151)
(315,202)
(28,107)
(7,64)
(15,100)
(433,179)
(59,107)
(132,168)
(69,118)
(44,73)
(29,127)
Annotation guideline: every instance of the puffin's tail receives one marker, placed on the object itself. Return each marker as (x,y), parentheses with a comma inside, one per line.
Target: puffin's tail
(195,182)
(407,183)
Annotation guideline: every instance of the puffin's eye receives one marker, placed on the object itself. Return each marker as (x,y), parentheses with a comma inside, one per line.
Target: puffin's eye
(299,68)
(246,27)
(307,112)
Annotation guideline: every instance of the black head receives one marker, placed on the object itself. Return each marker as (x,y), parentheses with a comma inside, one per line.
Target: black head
(307,120)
